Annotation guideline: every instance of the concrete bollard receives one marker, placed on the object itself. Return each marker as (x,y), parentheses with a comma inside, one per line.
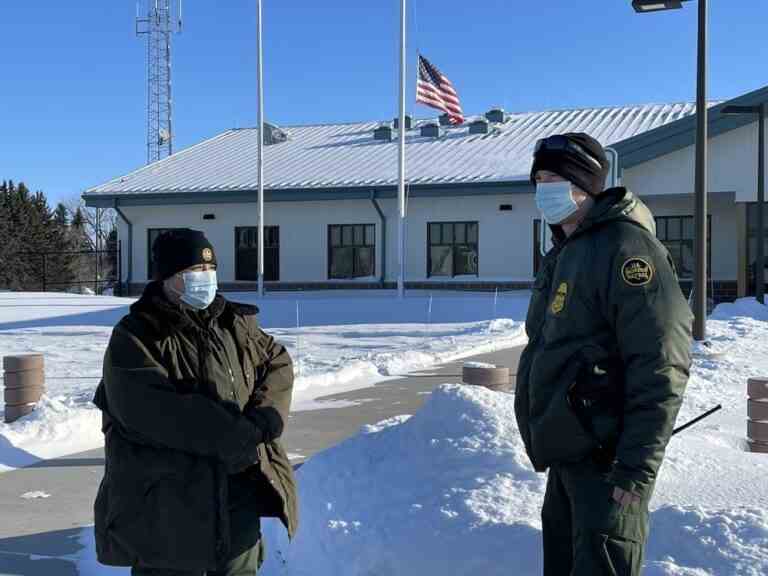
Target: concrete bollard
(487,375)
(24,384)
(757,415)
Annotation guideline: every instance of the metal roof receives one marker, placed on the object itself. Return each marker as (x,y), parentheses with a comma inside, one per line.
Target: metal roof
(332,156)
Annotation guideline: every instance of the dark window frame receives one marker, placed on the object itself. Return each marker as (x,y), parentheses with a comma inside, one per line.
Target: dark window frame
(682,240)
(751,233)
(269,235)
(453,244)
(355,246)
(150,241)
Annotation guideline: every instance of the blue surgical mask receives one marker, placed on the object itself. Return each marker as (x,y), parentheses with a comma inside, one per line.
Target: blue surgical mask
(555,201)
(199,288)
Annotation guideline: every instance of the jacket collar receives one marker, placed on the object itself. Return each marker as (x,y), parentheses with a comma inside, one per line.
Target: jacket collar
(616,204)
(166,316)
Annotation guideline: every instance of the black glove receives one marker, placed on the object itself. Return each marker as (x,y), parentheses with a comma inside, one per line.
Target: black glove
(245,455)
(267,419)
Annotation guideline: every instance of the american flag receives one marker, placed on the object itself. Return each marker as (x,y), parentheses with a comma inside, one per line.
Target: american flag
(435,90)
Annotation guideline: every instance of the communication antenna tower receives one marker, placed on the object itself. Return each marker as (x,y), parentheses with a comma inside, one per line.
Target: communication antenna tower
(162,19)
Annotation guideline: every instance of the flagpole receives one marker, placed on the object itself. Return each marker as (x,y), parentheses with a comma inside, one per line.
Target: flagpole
(260,153)
(401,161)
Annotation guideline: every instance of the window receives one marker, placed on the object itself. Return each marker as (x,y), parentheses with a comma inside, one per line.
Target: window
(247,253)
(452,248)
(678,235)
(351,250)
(152,234)
(752,241)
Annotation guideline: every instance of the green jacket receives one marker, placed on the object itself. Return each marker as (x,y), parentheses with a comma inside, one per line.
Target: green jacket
(173,390)
(608,355)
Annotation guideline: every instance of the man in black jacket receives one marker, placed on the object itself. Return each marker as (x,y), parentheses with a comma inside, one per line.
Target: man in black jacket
(194,398)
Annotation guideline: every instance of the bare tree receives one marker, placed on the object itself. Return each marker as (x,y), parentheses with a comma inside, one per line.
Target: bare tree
(91,229)
(97,222)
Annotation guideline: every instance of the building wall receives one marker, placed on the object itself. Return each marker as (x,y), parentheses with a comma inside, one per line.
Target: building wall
(505,238)
(732,167)
(505,241)
(724,227)
(303,232)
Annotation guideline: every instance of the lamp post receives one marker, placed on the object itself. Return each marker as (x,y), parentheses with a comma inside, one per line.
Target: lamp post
(759,110)
(260,147)
(700,210)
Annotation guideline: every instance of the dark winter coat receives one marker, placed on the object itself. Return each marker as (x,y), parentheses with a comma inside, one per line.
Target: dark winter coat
(609,347)
(174,386)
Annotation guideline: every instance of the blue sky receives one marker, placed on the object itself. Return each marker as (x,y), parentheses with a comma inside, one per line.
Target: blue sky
(72,103)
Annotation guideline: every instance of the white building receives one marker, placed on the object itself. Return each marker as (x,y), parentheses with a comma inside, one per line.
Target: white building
(331,208)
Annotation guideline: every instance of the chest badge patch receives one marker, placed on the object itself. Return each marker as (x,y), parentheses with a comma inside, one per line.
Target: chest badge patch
(558,303)
(636,272)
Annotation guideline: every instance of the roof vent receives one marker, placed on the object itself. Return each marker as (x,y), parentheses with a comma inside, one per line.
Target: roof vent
(408,122)
(445,120)
(430,130)
(274,134)
(495,115)
(479,126)
(383,132)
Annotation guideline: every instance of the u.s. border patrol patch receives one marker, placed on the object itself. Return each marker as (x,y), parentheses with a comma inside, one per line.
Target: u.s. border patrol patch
(637,272)
(558,302)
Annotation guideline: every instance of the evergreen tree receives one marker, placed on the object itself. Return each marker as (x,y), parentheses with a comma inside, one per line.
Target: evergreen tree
(61,215)
(29,233)
(78,221)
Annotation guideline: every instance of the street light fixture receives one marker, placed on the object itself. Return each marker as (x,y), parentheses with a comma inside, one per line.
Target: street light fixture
(656,5)
(760,255)
(700,211)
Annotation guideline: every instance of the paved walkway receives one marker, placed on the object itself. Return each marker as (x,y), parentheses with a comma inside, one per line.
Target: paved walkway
(35,534)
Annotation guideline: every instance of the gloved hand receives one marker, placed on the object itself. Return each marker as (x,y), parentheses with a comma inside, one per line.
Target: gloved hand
(246,454)
(267,419)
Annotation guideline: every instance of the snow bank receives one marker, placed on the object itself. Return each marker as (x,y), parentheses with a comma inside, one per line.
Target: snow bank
(694,541)
(57,427)
(447,491)
(450,491)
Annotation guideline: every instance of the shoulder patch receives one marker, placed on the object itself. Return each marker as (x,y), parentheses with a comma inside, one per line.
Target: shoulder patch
(637,272)
(558,303)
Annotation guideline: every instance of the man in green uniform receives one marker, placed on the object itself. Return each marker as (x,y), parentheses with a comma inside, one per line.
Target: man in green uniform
(194,398)
(601,380)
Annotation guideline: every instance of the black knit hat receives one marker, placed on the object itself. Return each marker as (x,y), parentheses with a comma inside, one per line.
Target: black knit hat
(575,156)
(179,249)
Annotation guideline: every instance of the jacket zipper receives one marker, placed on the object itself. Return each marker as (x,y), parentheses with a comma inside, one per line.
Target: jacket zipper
(233,388)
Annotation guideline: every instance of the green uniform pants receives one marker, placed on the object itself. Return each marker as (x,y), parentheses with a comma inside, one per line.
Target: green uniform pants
(587,533)
(246,564)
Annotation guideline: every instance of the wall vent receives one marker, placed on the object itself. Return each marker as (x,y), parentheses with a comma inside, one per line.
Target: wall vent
(495,115)
(408,122)
(383,132)
(479,126)
(430,130)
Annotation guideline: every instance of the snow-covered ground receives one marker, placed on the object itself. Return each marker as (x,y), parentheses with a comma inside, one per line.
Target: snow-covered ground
(340,341)
(450,491)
